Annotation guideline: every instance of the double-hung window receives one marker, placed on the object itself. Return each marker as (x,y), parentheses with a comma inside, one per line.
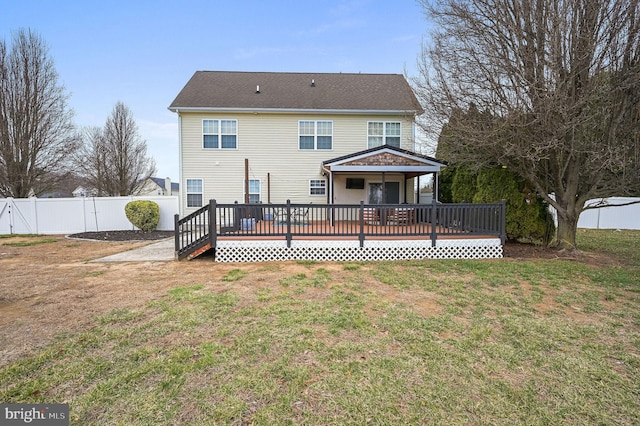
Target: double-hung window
(254,191)
(383,133)
(315,134)
(317,187)
(194,193)
(220,134)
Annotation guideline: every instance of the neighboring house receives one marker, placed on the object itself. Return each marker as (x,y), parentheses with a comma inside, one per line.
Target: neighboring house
(81,191)
(153,187)
(159,186)
(308,137)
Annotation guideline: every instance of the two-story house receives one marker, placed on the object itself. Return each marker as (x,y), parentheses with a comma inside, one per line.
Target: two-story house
(324,138)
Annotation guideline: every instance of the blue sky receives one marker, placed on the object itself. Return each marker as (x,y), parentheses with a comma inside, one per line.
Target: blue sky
(143,52)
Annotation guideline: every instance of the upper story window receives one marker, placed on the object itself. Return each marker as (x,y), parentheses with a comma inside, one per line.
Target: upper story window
(315,134)
(383,133)
(220,134)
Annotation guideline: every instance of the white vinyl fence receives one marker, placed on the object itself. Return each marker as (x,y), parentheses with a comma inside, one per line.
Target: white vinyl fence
(73,215)
(624,217)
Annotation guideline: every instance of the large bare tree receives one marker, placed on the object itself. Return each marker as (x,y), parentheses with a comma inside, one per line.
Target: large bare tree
(558,82)
(36,129)
(113,160)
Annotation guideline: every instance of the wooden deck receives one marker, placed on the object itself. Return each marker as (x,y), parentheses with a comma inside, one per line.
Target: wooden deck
(251,232)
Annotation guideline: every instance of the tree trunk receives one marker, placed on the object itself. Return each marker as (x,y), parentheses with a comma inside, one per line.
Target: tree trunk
(566,232)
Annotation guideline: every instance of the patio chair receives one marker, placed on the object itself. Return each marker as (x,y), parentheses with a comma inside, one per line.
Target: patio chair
(300,216)
(403,216)
(371,216)
(279,216)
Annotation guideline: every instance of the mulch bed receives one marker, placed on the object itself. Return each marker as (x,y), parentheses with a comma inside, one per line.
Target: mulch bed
(123,235)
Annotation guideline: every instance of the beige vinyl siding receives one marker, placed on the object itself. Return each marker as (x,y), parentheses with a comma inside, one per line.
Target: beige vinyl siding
(270,143)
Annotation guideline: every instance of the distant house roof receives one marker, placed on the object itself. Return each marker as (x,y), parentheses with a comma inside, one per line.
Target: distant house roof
(175,186)
(267,91)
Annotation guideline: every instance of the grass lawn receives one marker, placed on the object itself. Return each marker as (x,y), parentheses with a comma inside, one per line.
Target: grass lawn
(540,341)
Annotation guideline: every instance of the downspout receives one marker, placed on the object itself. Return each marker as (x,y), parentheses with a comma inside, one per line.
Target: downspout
(327,172)
(182,183)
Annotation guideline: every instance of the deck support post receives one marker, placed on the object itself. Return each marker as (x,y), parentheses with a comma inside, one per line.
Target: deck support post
(361,234)
(289,236)
(212,225)
(503,221)
(176,231)
(434,213)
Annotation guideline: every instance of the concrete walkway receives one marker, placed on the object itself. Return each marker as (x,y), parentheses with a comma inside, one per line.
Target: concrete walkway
(162,251)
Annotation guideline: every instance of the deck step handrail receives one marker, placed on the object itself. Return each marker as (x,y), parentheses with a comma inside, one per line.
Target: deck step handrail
(289,220)
(192,232)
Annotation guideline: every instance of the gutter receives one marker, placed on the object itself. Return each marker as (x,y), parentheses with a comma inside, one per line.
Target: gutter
(294,110)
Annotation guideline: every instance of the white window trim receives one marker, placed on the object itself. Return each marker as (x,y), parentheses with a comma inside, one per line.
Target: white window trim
(324,187)
(187,193)
(219,134)
(253,193)
(315,135)
(384,132)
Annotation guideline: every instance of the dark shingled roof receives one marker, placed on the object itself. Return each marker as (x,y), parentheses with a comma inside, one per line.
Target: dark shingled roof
(297,91)
(175,186)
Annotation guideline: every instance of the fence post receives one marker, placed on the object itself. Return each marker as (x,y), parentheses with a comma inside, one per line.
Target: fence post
(289,236)
(10,209)
(361,235)
(34,212)
(434,213)
(84,214)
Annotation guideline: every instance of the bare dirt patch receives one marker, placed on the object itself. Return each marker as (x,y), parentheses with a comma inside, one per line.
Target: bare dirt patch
(51,287)
(532,251)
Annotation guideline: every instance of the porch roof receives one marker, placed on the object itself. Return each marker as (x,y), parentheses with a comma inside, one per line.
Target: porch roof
(385,158)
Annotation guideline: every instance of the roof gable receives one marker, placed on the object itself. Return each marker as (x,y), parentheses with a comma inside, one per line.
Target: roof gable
(385,158)
(225,90)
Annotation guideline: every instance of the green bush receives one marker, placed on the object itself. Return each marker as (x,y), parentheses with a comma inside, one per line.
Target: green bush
(143,214)
(464,186)
(445,182)
(527,216)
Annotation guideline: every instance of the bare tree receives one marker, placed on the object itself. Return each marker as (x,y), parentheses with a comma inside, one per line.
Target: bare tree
(36,129)
(91,161)
(113,160)
(560,83)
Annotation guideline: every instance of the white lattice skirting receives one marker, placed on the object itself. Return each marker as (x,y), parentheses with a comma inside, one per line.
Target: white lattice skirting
(267,251)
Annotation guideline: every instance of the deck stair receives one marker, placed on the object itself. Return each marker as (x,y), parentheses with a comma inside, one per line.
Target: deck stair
(193,235)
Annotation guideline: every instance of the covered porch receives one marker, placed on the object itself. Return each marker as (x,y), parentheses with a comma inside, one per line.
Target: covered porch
(380,175)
